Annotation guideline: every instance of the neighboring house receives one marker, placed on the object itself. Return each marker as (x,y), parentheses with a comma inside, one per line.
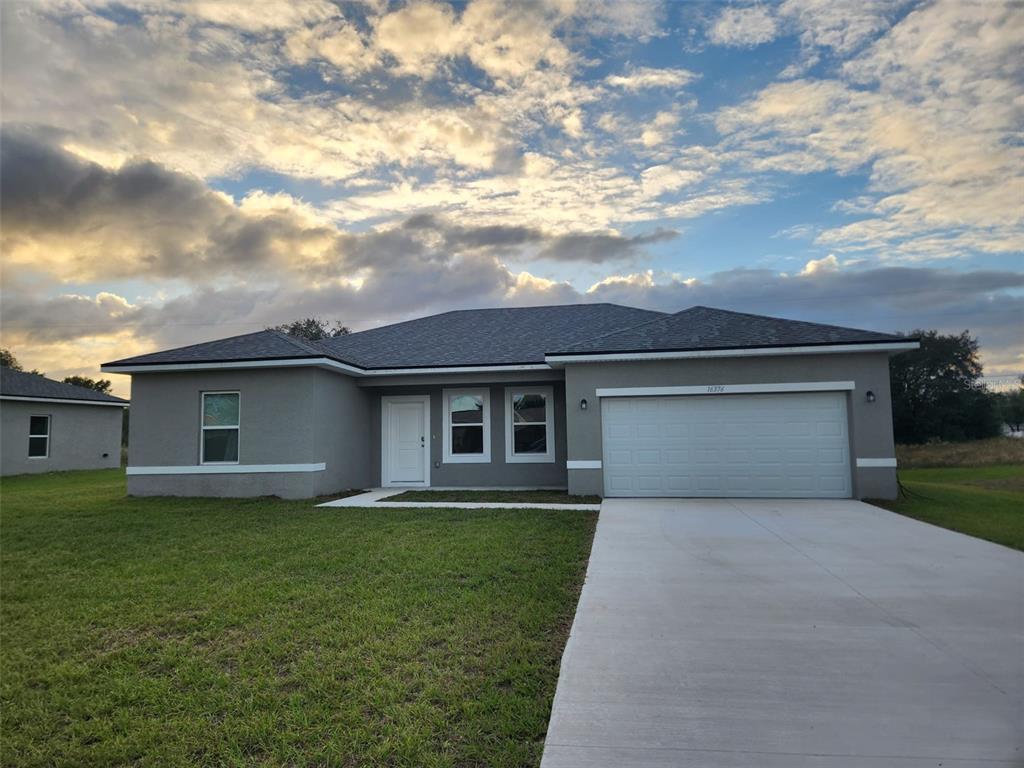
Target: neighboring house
(598,398)
(48,426)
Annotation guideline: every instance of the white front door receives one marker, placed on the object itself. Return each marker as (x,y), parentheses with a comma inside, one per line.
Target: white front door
(406,447)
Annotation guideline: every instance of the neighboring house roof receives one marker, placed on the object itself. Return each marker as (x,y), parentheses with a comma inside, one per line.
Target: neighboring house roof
(706,328)
(519,336)
(18,384)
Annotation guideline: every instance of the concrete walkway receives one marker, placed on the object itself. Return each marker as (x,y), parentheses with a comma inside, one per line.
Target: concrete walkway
(789,634)
(377,498)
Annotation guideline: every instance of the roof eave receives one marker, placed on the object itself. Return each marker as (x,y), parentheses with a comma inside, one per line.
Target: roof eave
(67,400)
(318,362)
(562,358)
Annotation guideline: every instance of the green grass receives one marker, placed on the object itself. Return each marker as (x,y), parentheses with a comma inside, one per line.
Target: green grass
(497,497)
(173,632)
(987,502)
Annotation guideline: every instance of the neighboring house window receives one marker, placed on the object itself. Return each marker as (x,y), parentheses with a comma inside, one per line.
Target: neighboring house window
(220,427)
(38,437)
(529,425)
(467,426)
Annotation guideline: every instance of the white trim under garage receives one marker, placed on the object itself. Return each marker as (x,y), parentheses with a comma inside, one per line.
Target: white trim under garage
(782,444)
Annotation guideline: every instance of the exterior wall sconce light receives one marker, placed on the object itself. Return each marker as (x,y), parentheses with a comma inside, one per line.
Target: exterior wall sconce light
(870,396)
(583,404)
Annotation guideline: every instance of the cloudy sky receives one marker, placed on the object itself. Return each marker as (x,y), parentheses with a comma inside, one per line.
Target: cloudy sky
(176,172)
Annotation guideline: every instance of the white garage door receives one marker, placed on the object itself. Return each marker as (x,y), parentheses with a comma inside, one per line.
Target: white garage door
(781,445)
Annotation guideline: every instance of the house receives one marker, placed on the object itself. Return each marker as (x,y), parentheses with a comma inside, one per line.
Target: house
(49,426)
(596,398)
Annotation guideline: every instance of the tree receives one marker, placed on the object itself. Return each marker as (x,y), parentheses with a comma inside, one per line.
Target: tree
(936,393)
(312,328)
(1011,408)
(100,385)
(8,360)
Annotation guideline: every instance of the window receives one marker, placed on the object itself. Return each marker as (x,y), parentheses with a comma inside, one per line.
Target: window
(467,426)
(39,437)
(220,428)
(529,425)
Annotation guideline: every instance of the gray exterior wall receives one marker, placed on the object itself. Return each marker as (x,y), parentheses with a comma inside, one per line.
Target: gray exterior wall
(288,416)
(80,435)
(870,423)
(498,473)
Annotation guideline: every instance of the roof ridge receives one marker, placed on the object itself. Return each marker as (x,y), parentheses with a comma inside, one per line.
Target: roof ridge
(306,345)
(663,316)
(500,309)
(788,320)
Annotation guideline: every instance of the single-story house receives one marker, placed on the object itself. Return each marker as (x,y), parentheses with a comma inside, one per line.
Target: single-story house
(597,398)
(49,426)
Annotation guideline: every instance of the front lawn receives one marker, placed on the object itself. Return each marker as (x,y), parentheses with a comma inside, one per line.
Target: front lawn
(987,502)
(174,632)
(496,497)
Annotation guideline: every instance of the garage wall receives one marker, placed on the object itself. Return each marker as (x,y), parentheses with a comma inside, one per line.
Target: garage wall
(870,423)
(80,435)
(288,416)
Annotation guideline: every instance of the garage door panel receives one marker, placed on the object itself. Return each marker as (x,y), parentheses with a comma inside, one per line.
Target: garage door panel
(782,445)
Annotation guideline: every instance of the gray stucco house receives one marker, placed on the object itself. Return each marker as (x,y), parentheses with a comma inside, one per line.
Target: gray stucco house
(596,398)
(49,426)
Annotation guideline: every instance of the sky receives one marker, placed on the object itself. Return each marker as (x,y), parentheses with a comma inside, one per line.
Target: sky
(175,172)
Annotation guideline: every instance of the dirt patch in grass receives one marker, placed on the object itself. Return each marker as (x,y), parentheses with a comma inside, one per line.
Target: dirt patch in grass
(973,453)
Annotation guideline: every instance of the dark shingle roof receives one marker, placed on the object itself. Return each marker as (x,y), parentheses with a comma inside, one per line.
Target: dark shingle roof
(483,336)
(705,328)
(521,335)
(20,384)
(261,345)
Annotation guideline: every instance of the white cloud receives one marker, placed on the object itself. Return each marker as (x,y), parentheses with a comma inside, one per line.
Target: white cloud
(842,25)
(936,135)
(643,78)
(825,264)
(743,27)
(337,43)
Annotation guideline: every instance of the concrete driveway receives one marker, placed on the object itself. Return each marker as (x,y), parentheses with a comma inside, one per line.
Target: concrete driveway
(782,634)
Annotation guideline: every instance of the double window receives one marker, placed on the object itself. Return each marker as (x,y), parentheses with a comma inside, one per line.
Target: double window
(220,427)
(529,420)
(39,437)
(529,425)
(467,426)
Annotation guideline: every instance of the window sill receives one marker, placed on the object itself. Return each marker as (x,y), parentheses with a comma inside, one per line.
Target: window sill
(470,459)
(527,459)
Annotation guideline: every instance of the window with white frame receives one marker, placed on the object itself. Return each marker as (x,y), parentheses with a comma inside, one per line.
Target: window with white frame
(220,427)
(529,424)
(39,437)
(467,426)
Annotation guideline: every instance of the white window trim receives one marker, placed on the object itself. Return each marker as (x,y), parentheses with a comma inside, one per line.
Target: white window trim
(728,389)
(203,428)
(466,458)
(49,422)
(511,457)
